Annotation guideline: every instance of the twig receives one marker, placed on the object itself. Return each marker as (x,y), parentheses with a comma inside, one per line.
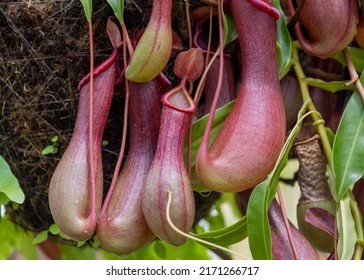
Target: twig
(125,121)
(353,74)
(294,19)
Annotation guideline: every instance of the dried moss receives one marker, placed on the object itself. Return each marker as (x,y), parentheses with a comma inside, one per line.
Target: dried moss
(44,52)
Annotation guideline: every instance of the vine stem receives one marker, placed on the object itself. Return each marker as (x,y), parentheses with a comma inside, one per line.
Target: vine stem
(91,155)
(190,236)
(353,74)
(286,222)
(198,93)
(189,131)
(220,52)
(126,45)
(318,122)
(187,6)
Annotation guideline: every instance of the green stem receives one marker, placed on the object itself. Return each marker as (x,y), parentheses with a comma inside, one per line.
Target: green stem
(318,122)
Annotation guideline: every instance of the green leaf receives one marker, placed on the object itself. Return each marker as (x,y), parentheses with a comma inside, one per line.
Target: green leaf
(54,229)
(75,253)
(50,149)
(9,185)
(260,242)
(229,26)
(8,235)
(346,228)
(95,242)
(118,8)
(348,152)
(284,43)
(198,129)
(160,250)
(282,160)
(42,236)
(188,251)
(262,196)
(104,143)
(3,199)
(24,244)
(81,243)
(227,236)
(87,6)
(13,236)
(357,56)
(333,86)
(330,135)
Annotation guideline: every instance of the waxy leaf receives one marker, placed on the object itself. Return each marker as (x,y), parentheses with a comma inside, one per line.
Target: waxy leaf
(346,228)
(260,241)
(348,152)
(87,6)
(227,236)
(118,8)
(9,185)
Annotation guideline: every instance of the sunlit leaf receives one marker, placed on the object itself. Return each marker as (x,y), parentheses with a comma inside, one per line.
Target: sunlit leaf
(24,244)
(69,252)
(348,152)
(9,185)
(42,236)
(333,86)
(346,228)
(54,229)
(118,8)
(8,236)
(228,235)
(14,237)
